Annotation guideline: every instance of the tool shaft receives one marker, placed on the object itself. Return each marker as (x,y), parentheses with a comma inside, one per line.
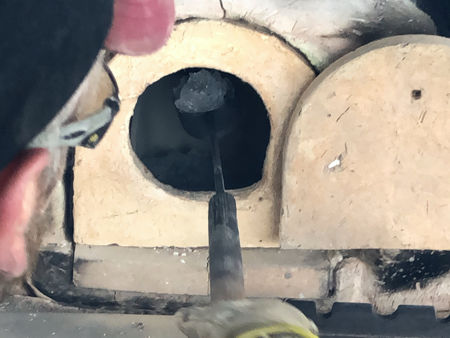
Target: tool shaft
(225,259)
(217,164)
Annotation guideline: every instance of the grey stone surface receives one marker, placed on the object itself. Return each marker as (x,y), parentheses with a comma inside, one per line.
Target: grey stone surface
(357,283)
(327,29)
(210,9)
(322,30)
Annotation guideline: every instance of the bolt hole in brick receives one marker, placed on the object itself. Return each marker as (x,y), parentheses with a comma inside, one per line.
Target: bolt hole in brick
(177,159)
(416,94)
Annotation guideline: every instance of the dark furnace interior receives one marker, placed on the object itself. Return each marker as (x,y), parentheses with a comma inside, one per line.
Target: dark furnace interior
(177,159)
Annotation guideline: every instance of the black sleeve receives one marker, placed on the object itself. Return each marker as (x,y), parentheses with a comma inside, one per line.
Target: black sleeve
(46,49)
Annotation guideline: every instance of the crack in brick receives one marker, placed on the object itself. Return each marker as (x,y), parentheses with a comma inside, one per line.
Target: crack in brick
(223,9)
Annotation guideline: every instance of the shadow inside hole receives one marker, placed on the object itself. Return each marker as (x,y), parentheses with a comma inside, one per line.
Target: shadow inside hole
(177,159)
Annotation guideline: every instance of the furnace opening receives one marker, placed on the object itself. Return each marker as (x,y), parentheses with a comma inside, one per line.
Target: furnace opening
(177,159)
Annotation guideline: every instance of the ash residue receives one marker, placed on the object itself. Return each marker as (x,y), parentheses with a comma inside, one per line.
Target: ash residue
(191,170)
(201,92)
(404,269)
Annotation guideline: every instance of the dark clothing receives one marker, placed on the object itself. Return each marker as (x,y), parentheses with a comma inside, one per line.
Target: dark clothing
(46,49)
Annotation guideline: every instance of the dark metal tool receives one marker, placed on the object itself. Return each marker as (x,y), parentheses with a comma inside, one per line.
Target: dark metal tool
(225,259)
(204,114)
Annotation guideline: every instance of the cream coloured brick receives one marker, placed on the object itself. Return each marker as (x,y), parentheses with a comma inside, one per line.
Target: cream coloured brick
(116,200)
(267,272)
(366,164)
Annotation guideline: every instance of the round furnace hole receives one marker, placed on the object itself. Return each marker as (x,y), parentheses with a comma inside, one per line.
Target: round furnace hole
(177,159)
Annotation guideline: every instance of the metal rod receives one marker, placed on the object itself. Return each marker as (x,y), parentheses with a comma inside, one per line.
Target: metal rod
(217,164)
(226,278)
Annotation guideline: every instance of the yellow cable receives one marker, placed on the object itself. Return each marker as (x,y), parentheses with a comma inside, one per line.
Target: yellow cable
(267,331)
